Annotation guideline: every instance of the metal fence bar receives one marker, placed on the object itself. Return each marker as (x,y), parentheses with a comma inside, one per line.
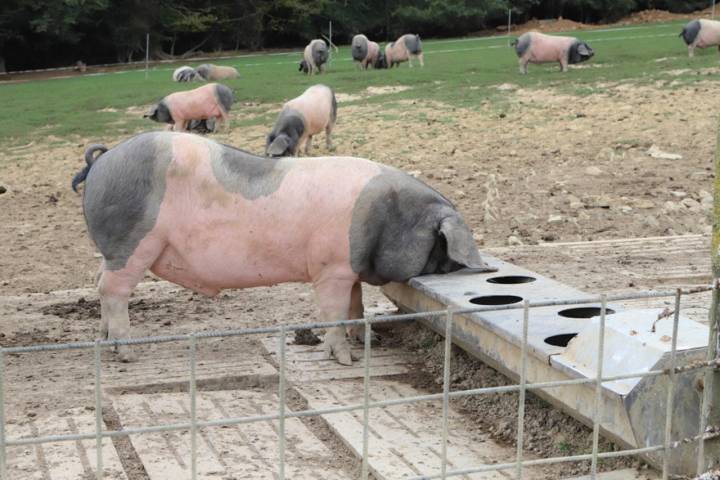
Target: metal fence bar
(3,448)
(598,389)
(193,408)
(347,323)
(98,414)
(671,389)
(366,398)
(521,395)
(281,394)
(446,390)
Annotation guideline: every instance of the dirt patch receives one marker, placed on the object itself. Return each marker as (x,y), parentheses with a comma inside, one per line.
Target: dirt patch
(386,89)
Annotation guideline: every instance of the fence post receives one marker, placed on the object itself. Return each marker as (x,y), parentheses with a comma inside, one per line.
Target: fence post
(147,54)
(709,452)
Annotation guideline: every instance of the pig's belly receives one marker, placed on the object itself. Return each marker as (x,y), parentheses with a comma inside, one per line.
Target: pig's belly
(708,39)
(543,57)
(216,267)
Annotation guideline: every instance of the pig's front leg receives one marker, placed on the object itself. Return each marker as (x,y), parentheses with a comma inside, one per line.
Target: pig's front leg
(333,298)
(357,332)
(308,145)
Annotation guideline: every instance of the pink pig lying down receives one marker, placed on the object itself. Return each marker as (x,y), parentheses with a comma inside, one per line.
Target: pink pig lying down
(209,101)
(210,217)
(404,49)
(701,34)
(534,47)
(301,118)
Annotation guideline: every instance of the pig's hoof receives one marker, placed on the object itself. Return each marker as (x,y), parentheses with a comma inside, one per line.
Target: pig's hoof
(127,356)
(340,352)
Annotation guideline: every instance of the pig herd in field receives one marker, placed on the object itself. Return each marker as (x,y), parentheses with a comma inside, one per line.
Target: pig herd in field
(209,216)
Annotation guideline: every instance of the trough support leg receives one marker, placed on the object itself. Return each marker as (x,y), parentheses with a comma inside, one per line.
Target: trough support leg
(709,451)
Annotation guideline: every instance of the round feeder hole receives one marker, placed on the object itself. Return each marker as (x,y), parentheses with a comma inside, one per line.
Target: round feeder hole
(561,340)
(511,279)
(583,312)
(496,300)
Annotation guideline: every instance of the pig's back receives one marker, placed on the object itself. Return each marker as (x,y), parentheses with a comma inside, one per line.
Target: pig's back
(316,107)
(548,48)
(709,33)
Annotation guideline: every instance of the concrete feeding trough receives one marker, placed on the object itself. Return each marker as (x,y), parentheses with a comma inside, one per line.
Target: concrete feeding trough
(563,345)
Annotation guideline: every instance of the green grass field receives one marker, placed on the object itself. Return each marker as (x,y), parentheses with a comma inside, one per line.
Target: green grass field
(74,106)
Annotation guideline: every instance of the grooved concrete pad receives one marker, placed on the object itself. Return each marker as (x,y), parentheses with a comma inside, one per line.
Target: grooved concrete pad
(308,363)
(62,460)
(230,452)
(406,440)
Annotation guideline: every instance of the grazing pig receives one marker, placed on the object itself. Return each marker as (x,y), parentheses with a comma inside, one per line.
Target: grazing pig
(404,49)
(213,73)
(184,74)
(301,118)
(534,47)
(701,34)
(315,57)
(209,217)
(209,101)
(364,51)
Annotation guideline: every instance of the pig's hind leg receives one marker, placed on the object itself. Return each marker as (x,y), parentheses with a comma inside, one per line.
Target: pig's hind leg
(357,332)
(115,288)
(334,299)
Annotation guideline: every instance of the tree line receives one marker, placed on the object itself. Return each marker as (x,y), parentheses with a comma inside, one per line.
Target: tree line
(49,33)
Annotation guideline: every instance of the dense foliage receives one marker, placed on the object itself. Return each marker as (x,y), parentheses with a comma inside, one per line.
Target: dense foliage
(45,33)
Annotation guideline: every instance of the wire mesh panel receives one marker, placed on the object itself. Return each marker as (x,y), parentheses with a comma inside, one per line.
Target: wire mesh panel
(194,425)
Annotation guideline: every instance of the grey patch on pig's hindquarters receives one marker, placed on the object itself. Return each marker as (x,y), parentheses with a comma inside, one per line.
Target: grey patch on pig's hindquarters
(579,52)
(89,160)
(522,44)
(225,96)
(123,193)
(690,32)
(401,228)
(284,138)
(249,175)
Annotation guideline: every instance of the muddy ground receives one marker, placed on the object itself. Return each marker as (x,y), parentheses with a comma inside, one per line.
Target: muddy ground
(539,167)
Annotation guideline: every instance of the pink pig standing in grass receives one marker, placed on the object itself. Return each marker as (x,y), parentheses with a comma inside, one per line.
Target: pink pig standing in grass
(534,47)
(209,101)
(210,217)
(701,34)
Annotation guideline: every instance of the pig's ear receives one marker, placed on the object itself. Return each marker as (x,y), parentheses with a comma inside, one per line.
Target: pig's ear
(278,146)
(584,50)
(461,247)
(152,113)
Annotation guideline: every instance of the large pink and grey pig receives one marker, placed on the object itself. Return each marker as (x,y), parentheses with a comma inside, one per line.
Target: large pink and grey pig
(301,118)
(210,217)
(212,73)
(535,47)
(209,101)
(701,34)
(365,52)
(314,58)
(404,49)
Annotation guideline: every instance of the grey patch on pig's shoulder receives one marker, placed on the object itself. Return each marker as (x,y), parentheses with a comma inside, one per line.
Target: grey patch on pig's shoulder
(579,52)
(690,31)
(122,195)
(290,124)
(224,96)
(402,228)
(249,175)
(319,53)
(413,43)
(204,70)
(523,44)
(359,48)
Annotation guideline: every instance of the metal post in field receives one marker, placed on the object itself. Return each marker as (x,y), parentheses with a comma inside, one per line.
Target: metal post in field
(709,452)
(147,54)
(509,25)
(712,12)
